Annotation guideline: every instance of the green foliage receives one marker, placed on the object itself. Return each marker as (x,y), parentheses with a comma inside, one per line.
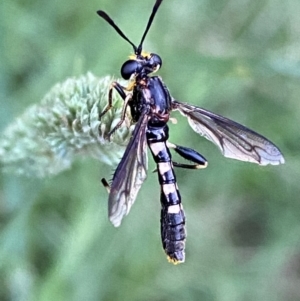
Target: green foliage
(45,139)
(236,58)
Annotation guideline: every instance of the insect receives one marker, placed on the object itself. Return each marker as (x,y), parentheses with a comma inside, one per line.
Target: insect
(150,104)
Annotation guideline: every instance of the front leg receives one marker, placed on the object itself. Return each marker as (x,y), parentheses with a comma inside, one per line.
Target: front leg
(120,89)
(123,115)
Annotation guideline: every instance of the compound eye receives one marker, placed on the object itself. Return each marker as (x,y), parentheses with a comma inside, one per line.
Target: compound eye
(156,60)
(129,68)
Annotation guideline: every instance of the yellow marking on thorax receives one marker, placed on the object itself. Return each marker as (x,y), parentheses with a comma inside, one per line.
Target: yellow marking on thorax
(131,85)
(143,53)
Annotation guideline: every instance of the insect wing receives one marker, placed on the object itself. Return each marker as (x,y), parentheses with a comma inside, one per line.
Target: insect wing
(129,175)
(234,140)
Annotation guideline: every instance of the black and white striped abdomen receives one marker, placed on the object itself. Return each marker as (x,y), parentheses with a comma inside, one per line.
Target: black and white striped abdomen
(173,232)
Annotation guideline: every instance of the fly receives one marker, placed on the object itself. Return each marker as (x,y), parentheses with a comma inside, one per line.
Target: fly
(150,104)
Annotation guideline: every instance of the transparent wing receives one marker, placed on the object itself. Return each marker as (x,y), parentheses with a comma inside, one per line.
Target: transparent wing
(129,175)
(233,139)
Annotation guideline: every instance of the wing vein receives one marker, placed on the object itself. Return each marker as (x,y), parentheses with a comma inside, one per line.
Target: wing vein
(233,139)
(130,174)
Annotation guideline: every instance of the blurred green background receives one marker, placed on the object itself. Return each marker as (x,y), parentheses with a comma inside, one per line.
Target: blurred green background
(236,58)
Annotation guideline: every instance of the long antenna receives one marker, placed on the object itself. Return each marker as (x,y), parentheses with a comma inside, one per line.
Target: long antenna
(154,10)
(137,50)
(107,18)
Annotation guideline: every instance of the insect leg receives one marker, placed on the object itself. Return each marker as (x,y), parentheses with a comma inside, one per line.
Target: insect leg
(120,90)
(123,115)
(105,184)
(188,154)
